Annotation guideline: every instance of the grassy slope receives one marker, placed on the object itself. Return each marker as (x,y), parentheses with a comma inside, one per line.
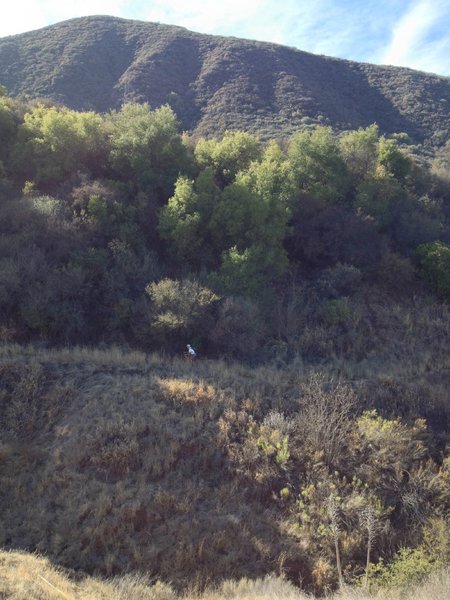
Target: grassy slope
(218,83)
(123,464)
(28,577)
(111,461)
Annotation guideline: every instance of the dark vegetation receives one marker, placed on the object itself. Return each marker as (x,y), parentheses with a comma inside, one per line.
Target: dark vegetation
(218,83)
(320,263)
(116,229)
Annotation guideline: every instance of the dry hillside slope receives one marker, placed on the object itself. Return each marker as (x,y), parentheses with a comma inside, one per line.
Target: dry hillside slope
(218,83)
(113,462)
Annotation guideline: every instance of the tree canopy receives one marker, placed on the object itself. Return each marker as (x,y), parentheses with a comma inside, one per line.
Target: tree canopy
(95,208)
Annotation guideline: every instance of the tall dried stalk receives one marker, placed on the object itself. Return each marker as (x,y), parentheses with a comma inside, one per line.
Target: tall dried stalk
(335,521)
(369,522)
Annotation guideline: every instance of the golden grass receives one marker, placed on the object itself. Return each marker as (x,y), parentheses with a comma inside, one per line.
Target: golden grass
(29,577)
(187,392)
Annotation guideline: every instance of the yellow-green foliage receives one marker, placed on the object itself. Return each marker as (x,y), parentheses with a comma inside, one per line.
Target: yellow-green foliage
(413,565)
(271,442)
(108,219)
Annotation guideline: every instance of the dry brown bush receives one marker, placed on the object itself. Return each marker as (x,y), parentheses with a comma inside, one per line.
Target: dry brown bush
(325,417)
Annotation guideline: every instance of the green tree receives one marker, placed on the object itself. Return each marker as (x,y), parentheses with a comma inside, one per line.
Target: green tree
(181,310)
(233,153)
(249,224)
(8,127)
(146,148)
(317,165)
(243,226)
(359,150)
(382,198)
(55,142)
(185,220)
(434,260)
(111,218)
(269,181)
(392,160)
(250,272)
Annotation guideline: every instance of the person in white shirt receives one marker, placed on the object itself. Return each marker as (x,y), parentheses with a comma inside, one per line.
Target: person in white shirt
(191,353)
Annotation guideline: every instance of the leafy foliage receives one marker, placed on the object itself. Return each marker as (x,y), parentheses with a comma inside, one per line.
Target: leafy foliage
(97,208)
(146,147)
(435,263)
(181,307)
(317,165)
(52,143)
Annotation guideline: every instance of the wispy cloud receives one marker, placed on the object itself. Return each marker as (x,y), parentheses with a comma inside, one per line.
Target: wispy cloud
(215,17)
(418,40)
(348,29)
(26,15)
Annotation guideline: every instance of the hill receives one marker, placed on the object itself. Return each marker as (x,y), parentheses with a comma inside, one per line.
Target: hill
(321,263)
(218,83)
(114,462)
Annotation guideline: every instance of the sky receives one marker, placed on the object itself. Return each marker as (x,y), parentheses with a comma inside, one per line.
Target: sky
(408,33)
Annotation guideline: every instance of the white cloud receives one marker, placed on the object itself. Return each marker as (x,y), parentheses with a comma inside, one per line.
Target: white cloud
(215,17)
(26,15)
(321,26)
(416,41)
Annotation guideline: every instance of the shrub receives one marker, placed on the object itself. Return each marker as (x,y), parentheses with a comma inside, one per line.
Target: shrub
(185,392)
(409,566)
(272,437)
(337,311)
(339,280)
(395,272)
(181,308)
(114,451)
(434,261)
(20,399)
(239,328)
(325,418)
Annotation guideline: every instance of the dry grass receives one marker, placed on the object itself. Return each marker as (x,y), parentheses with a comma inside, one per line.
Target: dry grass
(29,577)
(112,355)
(135,462)
(381,337)
(188,392)
(131,470)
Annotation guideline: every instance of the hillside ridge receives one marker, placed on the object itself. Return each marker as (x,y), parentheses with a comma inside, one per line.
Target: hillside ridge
(215,83)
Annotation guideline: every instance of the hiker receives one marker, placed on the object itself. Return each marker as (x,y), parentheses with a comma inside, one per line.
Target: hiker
(191,353)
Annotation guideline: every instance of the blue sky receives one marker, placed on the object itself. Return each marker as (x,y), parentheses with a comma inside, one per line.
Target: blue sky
(410,33)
